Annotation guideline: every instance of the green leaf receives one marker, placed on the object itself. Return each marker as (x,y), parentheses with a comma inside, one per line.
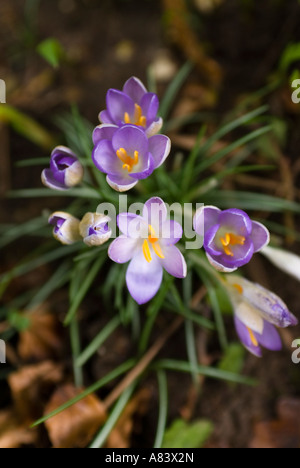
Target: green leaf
(211,372)
(52,51)
(18,321)
(163,408)
(98,341)
(290,55)
(173,89)
(234,358)
(84,288)
(113,418)
(250,201)
(183,435)
(27,127)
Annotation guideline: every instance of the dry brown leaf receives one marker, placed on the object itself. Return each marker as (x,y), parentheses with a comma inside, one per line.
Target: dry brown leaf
(43,339)
(14,434)
(76,426)
(31,386)
(283,432)
(120,436)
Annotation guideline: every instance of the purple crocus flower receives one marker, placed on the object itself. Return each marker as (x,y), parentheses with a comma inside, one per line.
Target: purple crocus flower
(94,229)
(148,242)
(65,170)
(126,155)
(230,237)
(66,227)
(257,313)
(134,105)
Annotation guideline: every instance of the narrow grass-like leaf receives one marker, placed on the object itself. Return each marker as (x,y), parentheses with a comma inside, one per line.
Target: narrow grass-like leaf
(83,192)
(184,366)
(85,286)
(98,341)
(33,162)
(30,265)
(174,88)
(113,418)
(122,369)
(76,347)
(213,159)
(216,309)
(250,201)
(30,227)
(163,408)
(57,280)
(152,313)
(26,127)
(212,182)
(189,169)
(227,128)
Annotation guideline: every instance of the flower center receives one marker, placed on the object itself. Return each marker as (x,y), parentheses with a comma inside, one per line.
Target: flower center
(252,337)
(138,119)
(229,241)
(129,162)
(154,241)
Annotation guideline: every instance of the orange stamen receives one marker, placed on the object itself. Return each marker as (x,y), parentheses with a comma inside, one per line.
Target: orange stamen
(129,162)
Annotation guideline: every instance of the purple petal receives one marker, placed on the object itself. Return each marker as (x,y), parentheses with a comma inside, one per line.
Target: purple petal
(150,105)
(242,255)
(105,118)
(260,236)
(236,221)
(120,184)
(143,278)
(49,181)
(174,262)
(132,139)
(205,218)
(63,150)
(129,224)
(270,339)
(145,166)
(104,132)
(171,232)
(159,147)
(271,307)
(135,89)
(218,265)
(155,127)
(245,338)
(155,212)
(122,249)
(209,241)
(105,159)
(118,104)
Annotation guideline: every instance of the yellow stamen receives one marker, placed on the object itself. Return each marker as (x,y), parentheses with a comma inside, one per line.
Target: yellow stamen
(129,162)
(239,288)
(154,241)
(252,337)
(231,240)
(127,118)
(152,237)
(138,119)
(146,251)
(157,250)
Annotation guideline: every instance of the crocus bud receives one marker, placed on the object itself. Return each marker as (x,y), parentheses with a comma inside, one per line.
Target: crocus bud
(286,261)
(94,229)
(66,227)
(65,170)
(257,312)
